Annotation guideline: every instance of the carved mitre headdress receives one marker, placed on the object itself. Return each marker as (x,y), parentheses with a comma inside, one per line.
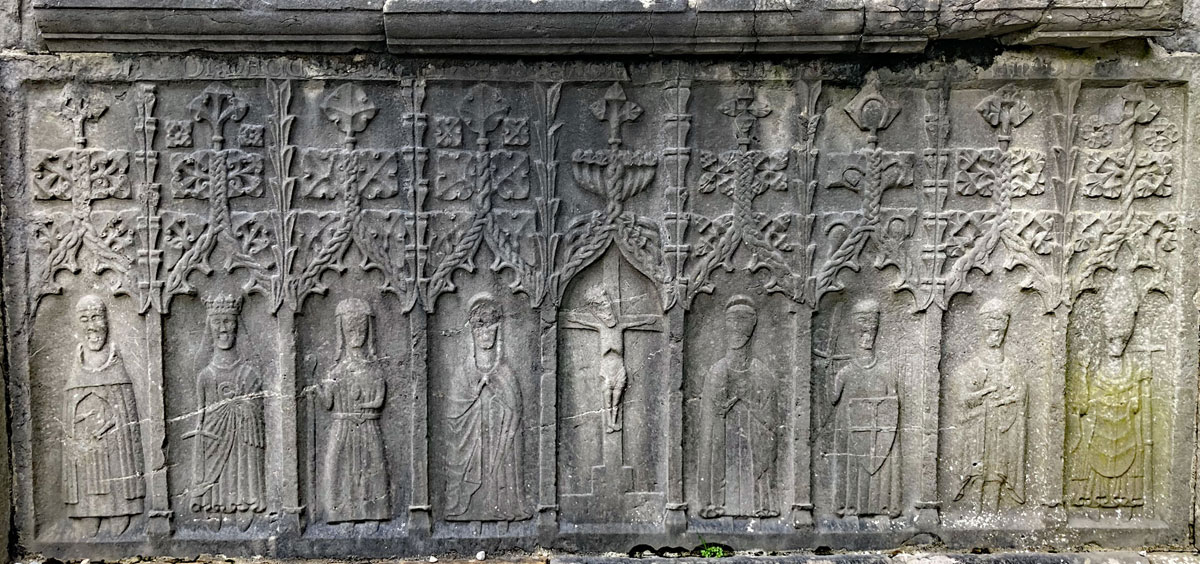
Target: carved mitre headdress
(483,310)
(91,303)
(223,304)
(741,302)
(1119,309)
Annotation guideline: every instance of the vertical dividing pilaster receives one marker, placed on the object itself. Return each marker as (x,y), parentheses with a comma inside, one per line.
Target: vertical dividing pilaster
(419,518)
(548,426)
(285,459)
(677,124)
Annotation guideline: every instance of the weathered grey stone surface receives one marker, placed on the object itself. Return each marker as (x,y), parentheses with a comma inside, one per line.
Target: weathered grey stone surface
(374,305)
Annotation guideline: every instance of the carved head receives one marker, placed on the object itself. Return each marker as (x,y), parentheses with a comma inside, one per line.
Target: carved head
(223,311)
(93,319)
(740,319)
(1120,314)
(484,321)
(866,323)
(994,317)
(602,305)
(354,321)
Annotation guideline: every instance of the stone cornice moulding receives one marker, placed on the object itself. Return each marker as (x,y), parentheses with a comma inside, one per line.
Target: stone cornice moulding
(585,27)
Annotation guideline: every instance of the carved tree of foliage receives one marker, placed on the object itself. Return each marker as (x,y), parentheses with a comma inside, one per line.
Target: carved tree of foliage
(743,175)
(480,175)
(1126,159)
(216,175)
(81,175)
(615,175)
(874,172)
(351,175)
(1003,173)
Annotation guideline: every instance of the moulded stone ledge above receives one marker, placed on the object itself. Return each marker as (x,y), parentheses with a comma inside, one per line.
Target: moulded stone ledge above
(581,27)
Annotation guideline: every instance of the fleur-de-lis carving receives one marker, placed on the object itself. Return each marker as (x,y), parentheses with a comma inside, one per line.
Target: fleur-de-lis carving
(482,109)
(616,109)
(871,111)
(350,111)
(217,105)
(745,110)
(1005,110)
(78,107)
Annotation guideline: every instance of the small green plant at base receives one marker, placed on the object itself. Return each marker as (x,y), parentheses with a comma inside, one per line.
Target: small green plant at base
(711,550)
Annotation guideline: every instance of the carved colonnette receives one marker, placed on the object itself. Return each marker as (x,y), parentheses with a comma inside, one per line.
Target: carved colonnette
(369,310)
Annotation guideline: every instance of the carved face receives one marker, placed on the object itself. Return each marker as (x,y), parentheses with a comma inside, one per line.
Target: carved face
(867,327)
(354,330)
(485,336)
(95,328)
(739,326)
(224,330)
(996,327)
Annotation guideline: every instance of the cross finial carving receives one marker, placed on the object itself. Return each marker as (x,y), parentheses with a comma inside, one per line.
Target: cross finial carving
(216,105)
(616,109)
(78,107)
(745,110)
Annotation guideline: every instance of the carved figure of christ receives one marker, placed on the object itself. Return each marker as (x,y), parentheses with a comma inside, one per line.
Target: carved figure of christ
(611,327)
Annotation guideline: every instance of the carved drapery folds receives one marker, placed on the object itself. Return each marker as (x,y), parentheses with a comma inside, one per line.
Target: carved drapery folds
(763,303)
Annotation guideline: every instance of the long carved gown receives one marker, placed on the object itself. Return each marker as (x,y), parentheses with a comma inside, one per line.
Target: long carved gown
(993,425)
(102,455)
(485,482)
(1109,462)
(355,467)
(865,465)
(229,466)
(737,450)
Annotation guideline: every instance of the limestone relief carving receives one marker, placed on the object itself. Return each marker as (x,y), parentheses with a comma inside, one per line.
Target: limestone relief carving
(615,175)
(739,424)
(742,176)
(102,472)
(864,459)
(103,241)
(486,481)
(215,175)
(351,176)
(868,173)
(228,471)
(604,316)
(1110,419)
(992,407)
(354,465)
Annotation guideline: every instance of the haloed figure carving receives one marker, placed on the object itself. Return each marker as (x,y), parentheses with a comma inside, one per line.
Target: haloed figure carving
(992,420)
(1110,421)
(485,479)
(102,448)
(355,467)
(228,466)
(864,459)
(738,424)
